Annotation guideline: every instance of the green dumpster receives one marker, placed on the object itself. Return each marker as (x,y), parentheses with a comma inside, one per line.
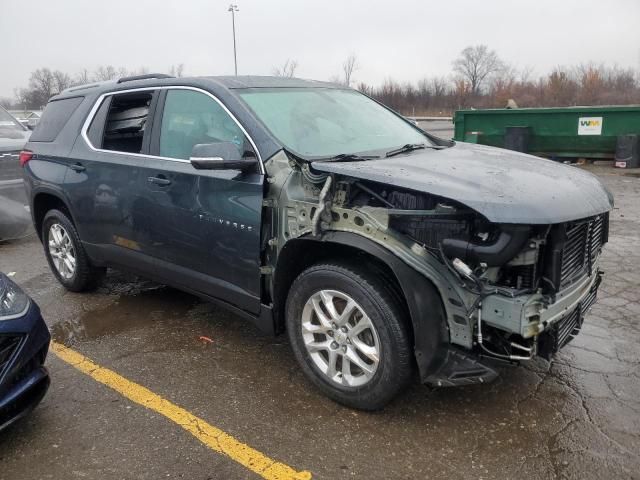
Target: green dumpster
(588,132)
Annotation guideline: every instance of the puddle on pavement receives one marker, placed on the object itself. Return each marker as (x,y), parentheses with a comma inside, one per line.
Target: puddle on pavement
(128,312)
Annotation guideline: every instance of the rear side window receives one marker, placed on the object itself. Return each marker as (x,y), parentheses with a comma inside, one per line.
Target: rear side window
(125,123)
(95,132)
(55,116)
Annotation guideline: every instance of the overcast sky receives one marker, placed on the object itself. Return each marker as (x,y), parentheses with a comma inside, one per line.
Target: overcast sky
(405,40)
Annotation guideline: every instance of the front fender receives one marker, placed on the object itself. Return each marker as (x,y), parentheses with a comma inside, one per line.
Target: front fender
(424,302)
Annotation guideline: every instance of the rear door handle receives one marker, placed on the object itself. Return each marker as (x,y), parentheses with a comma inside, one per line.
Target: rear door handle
(162,181)
(77,167)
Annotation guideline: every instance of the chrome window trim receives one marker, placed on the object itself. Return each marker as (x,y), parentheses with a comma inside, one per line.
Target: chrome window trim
(100,99)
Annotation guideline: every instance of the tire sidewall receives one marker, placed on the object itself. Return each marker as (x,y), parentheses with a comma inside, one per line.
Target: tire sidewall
(375,392)
(52,217)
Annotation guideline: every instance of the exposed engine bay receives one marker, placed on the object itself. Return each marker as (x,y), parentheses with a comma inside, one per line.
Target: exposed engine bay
(510,291)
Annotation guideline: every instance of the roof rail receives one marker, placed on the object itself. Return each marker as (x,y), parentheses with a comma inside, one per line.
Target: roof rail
(143,77)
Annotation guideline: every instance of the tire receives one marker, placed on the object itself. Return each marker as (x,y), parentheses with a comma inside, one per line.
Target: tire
(363,382)
(63,249)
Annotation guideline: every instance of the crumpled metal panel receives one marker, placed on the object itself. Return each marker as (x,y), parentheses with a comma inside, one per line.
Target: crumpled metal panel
(502,185)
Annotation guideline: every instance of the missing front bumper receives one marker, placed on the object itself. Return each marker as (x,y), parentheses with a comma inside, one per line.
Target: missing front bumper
(564,330)
(531,315)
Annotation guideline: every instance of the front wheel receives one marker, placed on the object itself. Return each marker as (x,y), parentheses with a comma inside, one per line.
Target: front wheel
(349,334)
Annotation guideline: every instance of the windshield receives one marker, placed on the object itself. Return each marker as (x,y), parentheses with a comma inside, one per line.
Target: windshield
(324,122)
(7,122)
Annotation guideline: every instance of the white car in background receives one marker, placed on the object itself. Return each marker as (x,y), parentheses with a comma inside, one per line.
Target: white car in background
(15,219)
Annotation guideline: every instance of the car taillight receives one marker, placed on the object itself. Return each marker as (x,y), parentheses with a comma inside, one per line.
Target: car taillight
(25,156)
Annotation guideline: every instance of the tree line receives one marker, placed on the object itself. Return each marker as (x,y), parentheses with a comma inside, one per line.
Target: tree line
(479,78)
(45,83)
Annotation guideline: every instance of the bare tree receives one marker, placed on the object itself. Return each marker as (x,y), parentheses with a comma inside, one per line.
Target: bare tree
(349,66)
(22,97)
(61,81)
(176,70)
(560,89)
(475,65)
(42,86)
(138,71)
(462,91)
(83,77)
(439,86)
(364,88)
(592,81)
(288,69)
(42,81)
(6,102)
(107,72)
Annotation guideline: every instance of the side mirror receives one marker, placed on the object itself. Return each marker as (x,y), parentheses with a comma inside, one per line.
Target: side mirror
(219,156)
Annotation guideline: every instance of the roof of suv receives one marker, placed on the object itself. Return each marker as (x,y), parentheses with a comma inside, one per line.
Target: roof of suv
(227,82)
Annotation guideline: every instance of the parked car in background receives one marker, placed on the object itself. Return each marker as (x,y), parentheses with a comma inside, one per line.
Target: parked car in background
(14,216)
(309,207)
(24,343)
(28,118)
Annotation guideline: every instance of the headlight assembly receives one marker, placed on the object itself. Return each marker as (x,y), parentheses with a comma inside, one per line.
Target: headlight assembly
(13,301)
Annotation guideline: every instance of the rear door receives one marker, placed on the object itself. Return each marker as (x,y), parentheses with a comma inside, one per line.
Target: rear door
(104,178)
(205,224)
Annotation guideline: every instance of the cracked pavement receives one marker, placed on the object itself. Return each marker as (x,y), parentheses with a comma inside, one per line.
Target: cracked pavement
(577,417)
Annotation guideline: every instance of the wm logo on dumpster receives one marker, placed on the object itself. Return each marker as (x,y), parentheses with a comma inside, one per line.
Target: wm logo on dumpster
(590,126)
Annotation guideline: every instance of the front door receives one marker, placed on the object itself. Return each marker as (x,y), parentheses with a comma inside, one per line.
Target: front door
(205,224)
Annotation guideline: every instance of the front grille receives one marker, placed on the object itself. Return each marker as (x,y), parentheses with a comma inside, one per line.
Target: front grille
(596,239)
(563,331)
(568,328)
(10,166)
(574,252)
(574,248)
(8,346)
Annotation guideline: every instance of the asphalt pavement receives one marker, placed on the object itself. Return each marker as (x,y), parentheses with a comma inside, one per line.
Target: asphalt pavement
(577,417)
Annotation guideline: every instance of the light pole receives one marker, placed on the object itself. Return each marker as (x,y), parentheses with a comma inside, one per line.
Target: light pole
(233,9)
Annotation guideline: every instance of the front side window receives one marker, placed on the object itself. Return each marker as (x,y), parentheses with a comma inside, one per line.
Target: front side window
(323,122)
(190,118)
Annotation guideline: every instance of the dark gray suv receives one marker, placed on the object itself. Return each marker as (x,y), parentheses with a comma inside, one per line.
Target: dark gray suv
(310,208)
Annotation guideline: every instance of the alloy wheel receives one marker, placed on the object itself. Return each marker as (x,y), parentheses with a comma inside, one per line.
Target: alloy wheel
(62,252)
(340,338)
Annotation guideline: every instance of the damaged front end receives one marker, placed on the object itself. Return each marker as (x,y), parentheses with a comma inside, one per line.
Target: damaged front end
(509,291)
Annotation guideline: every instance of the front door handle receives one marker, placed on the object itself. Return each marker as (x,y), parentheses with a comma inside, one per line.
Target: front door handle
(161,180)
(77,167)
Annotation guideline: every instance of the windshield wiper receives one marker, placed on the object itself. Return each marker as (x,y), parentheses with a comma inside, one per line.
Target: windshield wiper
(348,157)
(409,147)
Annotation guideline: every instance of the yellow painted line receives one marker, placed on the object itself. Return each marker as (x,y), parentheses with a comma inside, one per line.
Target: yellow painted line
(211,436)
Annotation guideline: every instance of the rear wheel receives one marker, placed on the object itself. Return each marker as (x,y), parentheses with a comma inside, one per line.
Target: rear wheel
(66,255)
(349,334)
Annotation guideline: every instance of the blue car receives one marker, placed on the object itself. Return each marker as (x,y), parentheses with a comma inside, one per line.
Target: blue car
(24,342)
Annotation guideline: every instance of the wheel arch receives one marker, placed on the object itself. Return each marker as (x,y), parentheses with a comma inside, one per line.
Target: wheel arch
(44,201)
(418,295)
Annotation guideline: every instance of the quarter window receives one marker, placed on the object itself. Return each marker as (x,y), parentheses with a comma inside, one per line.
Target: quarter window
(190,118)
(55,116)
